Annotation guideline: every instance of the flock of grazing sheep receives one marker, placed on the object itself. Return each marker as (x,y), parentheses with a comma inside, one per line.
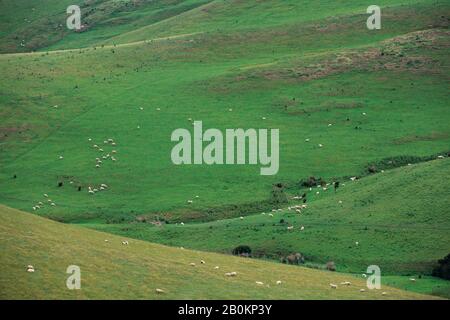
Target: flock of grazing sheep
(111,155)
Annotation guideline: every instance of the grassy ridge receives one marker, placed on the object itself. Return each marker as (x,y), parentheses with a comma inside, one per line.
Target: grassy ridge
(231,16)
(27,27)
(110,270)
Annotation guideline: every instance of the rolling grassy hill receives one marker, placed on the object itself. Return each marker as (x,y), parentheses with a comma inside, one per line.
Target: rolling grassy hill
(110,270)
(298,84)
(27,26)
(399,219)
(145,68)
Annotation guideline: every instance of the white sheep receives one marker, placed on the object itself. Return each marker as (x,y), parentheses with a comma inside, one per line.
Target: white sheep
(333,286)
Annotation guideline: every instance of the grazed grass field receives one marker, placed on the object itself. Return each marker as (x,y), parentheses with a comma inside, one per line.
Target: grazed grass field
(392,215)
(196,80)
(310,69)
(110,270)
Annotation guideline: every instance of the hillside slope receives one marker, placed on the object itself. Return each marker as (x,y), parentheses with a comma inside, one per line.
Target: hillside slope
(110,270)
(400,219)
(26,26)
(231,16)
(297,84)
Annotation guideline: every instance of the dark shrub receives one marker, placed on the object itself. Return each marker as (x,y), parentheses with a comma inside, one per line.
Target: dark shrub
(242,250)
(295,258)
(331,266)
(442,270)
(312,182)
(372,169)
(278,195)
